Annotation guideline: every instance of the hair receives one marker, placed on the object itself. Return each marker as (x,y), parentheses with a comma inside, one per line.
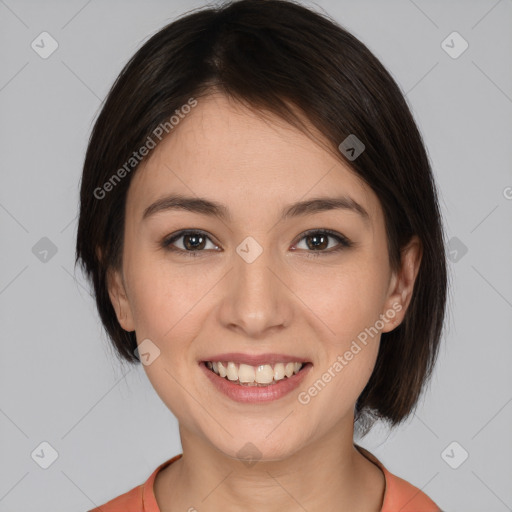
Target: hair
(279,57)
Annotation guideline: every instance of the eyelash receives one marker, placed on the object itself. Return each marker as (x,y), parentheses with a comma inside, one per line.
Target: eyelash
(344,242)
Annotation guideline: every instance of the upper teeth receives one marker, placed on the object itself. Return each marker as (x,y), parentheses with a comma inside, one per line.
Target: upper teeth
(262,374)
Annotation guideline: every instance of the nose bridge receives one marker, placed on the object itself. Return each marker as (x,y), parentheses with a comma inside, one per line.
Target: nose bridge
(257,298)
(254,277)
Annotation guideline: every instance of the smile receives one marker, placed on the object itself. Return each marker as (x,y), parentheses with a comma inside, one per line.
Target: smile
(246,383)
(247,375)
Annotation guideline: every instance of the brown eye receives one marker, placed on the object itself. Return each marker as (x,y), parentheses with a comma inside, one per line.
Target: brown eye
(193,242)
(319,241)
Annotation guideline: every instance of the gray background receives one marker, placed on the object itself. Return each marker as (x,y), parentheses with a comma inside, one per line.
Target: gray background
(60,382)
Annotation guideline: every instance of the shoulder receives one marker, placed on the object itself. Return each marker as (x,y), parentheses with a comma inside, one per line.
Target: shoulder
(138,499)
(400,494)
(130,501)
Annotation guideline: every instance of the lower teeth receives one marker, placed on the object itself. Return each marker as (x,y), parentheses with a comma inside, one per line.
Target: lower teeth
(253,383)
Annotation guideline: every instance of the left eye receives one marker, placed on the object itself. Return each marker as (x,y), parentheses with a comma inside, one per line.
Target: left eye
(318,240)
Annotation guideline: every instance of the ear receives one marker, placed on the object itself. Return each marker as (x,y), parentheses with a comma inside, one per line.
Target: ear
(401,285)
(119,298)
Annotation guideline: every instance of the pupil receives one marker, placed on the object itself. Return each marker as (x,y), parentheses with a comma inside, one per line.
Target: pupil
(195,244)
(316,244)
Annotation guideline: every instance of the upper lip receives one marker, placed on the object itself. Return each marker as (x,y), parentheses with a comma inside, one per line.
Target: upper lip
(255,359)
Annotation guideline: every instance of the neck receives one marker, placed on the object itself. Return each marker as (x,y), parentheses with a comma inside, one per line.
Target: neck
(327,472)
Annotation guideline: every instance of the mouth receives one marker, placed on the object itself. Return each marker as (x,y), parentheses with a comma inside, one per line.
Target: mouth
(259,375)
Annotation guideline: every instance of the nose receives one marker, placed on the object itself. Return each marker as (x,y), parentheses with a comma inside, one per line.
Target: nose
(257,299)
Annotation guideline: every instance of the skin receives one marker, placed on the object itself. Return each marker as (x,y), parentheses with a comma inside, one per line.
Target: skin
(283,302)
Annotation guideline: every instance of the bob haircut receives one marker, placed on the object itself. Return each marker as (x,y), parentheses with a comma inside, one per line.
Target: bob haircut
(279,57)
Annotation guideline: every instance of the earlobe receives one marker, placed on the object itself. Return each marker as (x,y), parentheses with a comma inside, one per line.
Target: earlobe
(402,285)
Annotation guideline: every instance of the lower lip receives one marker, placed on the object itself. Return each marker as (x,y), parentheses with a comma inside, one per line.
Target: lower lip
(256,394)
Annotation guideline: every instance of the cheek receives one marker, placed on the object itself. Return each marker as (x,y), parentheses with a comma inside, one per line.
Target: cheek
(349,302)
(347,299)
(166,311)
(341,375)
(163,299)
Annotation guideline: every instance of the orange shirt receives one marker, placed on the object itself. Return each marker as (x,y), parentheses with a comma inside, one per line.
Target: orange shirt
(399,495)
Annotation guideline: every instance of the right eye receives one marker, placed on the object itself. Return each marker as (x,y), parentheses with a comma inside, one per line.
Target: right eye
(193,242)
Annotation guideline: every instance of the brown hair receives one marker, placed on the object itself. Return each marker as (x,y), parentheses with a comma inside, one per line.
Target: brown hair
(280,57)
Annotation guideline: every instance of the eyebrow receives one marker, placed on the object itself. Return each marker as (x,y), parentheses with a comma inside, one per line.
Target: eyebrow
(212,208)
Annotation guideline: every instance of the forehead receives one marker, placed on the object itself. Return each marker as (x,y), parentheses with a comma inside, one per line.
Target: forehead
(230,153)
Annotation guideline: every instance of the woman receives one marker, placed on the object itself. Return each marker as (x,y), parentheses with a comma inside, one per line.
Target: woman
(260,223)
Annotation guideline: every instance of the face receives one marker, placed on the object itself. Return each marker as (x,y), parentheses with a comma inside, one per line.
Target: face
(301,287)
